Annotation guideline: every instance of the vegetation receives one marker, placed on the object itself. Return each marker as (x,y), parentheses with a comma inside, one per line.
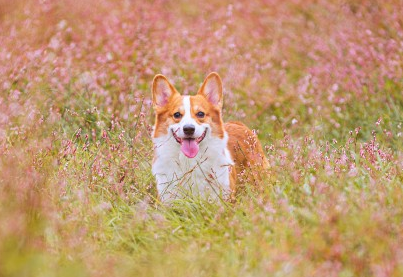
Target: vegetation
(320,81)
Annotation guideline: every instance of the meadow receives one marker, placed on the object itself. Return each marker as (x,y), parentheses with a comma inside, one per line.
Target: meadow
(320,81)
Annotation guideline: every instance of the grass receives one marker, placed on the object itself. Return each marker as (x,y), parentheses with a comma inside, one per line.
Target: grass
(77,192)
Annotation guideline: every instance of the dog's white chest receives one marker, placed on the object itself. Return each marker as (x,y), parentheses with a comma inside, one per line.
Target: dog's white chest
(206,175)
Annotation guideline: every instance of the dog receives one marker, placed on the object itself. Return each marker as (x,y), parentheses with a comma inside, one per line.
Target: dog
(195,153)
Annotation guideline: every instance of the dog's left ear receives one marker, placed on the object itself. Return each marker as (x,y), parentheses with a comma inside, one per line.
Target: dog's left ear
(162,91)
(212,89)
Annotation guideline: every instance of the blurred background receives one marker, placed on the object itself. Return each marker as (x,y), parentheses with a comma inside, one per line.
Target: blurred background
(320,81)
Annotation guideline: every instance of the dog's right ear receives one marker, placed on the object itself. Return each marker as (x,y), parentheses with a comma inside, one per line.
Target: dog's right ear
(212,89)
(162,91)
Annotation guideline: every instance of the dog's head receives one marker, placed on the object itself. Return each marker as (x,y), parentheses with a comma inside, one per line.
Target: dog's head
(190,120)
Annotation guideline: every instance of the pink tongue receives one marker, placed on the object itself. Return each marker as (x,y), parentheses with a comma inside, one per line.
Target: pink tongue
(190,148)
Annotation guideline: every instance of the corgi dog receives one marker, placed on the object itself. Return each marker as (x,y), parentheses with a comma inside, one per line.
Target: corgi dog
(195,153)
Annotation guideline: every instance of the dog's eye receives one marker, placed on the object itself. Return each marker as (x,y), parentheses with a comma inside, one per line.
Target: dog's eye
(177,115)
(200,114)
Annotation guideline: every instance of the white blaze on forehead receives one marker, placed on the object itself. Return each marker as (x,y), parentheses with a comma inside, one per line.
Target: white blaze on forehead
(186,104)
(187,117)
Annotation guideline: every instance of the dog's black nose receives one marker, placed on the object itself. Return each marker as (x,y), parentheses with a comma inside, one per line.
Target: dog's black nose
(189,129)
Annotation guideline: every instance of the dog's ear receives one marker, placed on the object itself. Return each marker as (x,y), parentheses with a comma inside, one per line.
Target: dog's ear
(162,91)
(212,89)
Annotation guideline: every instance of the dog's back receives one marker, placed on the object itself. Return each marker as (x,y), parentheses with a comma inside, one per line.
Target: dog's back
(247,153)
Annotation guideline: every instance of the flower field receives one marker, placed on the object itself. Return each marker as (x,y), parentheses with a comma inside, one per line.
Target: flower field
(320,81)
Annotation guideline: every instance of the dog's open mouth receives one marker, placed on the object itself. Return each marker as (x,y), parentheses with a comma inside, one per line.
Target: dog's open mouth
(189,146)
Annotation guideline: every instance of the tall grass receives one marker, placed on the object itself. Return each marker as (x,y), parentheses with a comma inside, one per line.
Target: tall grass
(321,82)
